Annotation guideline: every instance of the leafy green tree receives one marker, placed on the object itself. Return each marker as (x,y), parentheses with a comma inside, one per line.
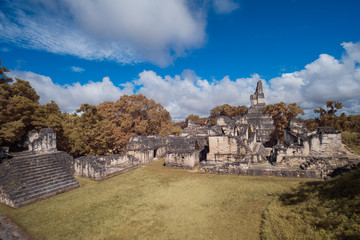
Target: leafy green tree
(281,114)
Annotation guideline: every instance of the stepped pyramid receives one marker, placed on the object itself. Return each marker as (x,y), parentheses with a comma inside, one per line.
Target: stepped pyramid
(31,176)
(263,123)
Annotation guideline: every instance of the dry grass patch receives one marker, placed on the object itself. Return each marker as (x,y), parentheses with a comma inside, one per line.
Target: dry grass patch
(155,202)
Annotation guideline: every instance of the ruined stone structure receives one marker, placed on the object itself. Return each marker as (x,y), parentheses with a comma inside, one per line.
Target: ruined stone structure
(262,123)
(237,146)
(186,152)
(320,150)
(140,150)
(146,149)
(193,130)
(36,174)
(43,140)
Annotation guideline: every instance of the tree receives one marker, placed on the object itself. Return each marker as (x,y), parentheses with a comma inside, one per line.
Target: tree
(327,117)
(18,104)
(281,114)
(196,119)
(135,114)
(89,133)
(226,110)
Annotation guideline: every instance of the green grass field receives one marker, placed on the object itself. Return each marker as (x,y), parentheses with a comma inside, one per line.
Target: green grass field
(316,210)
(155,202)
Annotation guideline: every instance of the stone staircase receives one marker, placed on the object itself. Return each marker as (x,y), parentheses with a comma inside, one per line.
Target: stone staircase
(29,177)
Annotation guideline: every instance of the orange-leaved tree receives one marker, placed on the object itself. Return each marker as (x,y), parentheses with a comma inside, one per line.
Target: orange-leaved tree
(281,114)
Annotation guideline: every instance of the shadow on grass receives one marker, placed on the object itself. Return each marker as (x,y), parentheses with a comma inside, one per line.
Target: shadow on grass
(341,187)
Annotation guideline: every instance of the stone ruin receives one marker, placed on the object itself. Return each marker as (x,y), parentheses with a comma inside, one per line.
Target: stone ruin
(239,146)
(36,174)
(233,146)
(140,150)
(320,150)
(43,140)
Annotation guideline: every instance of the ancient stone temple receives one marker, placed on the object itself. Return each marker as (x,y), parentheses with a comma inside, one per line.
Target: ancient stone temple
(262,123)
(233,146)
(320,150)
(41,172)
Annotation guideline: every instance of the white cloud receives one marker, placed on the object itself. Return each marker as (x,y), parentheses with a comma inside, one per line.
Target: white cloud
(77,69)
(324,79)
(70,97)
(225,6)
(188,93)
(119,30)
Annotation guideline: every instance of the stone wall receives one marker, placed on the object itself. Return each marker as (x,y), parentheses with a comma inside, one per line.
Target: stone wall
(139,150)
(185,152)
(43,140)
(243,169)
(146,148)
(97,167)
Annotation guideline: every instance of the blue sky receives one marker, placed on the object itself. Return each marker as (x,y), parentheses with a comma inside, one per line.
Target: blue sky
(190,56)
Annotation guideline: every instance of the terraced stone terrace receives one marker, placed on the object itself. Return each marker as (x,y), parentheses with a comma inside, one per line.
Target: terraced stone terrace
(28,177)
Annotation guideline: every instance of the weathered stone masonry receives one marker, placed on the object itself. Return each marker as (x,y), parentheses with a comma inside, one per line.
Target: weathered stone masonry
(36,174)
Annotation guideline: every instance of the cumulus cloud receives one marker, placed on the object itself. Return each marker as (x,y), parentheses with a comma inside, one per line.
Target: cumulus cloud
(326,78)
(77,69)
(70,97)
(184,94)
(124,31)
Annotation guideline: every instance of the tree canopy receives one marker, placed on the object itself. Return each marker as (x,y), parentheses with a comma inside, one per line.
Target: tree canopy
(226,110)
(281,114)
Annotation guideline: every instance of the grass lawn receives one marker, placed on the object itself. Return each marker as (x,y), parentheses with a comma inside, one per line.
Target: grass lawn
(155,202)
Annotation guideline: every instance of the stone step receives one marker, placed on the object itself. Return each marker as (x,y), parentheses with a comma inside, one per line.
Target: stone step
(47,195)
(44,179)
(27,168)
(48,172)
(30,156)
(37,160)
(40,186)
(38,190)
(23,183)
(44,194)
(37,181)
(39,166)
(21,154)
(39,177)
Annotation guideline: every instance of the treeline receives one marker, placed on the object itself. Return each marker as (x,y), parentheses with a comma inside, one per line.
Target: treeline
(105,129)
(93,130)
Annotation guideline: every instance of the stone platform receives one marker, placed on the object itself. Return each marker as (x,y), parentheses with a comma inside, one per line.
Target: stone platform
(28,177)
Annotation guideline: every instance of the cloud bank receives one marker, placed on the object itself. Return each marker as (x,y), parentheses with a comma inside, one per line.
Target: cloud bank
(156,31)
(70,97)
(324,79)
